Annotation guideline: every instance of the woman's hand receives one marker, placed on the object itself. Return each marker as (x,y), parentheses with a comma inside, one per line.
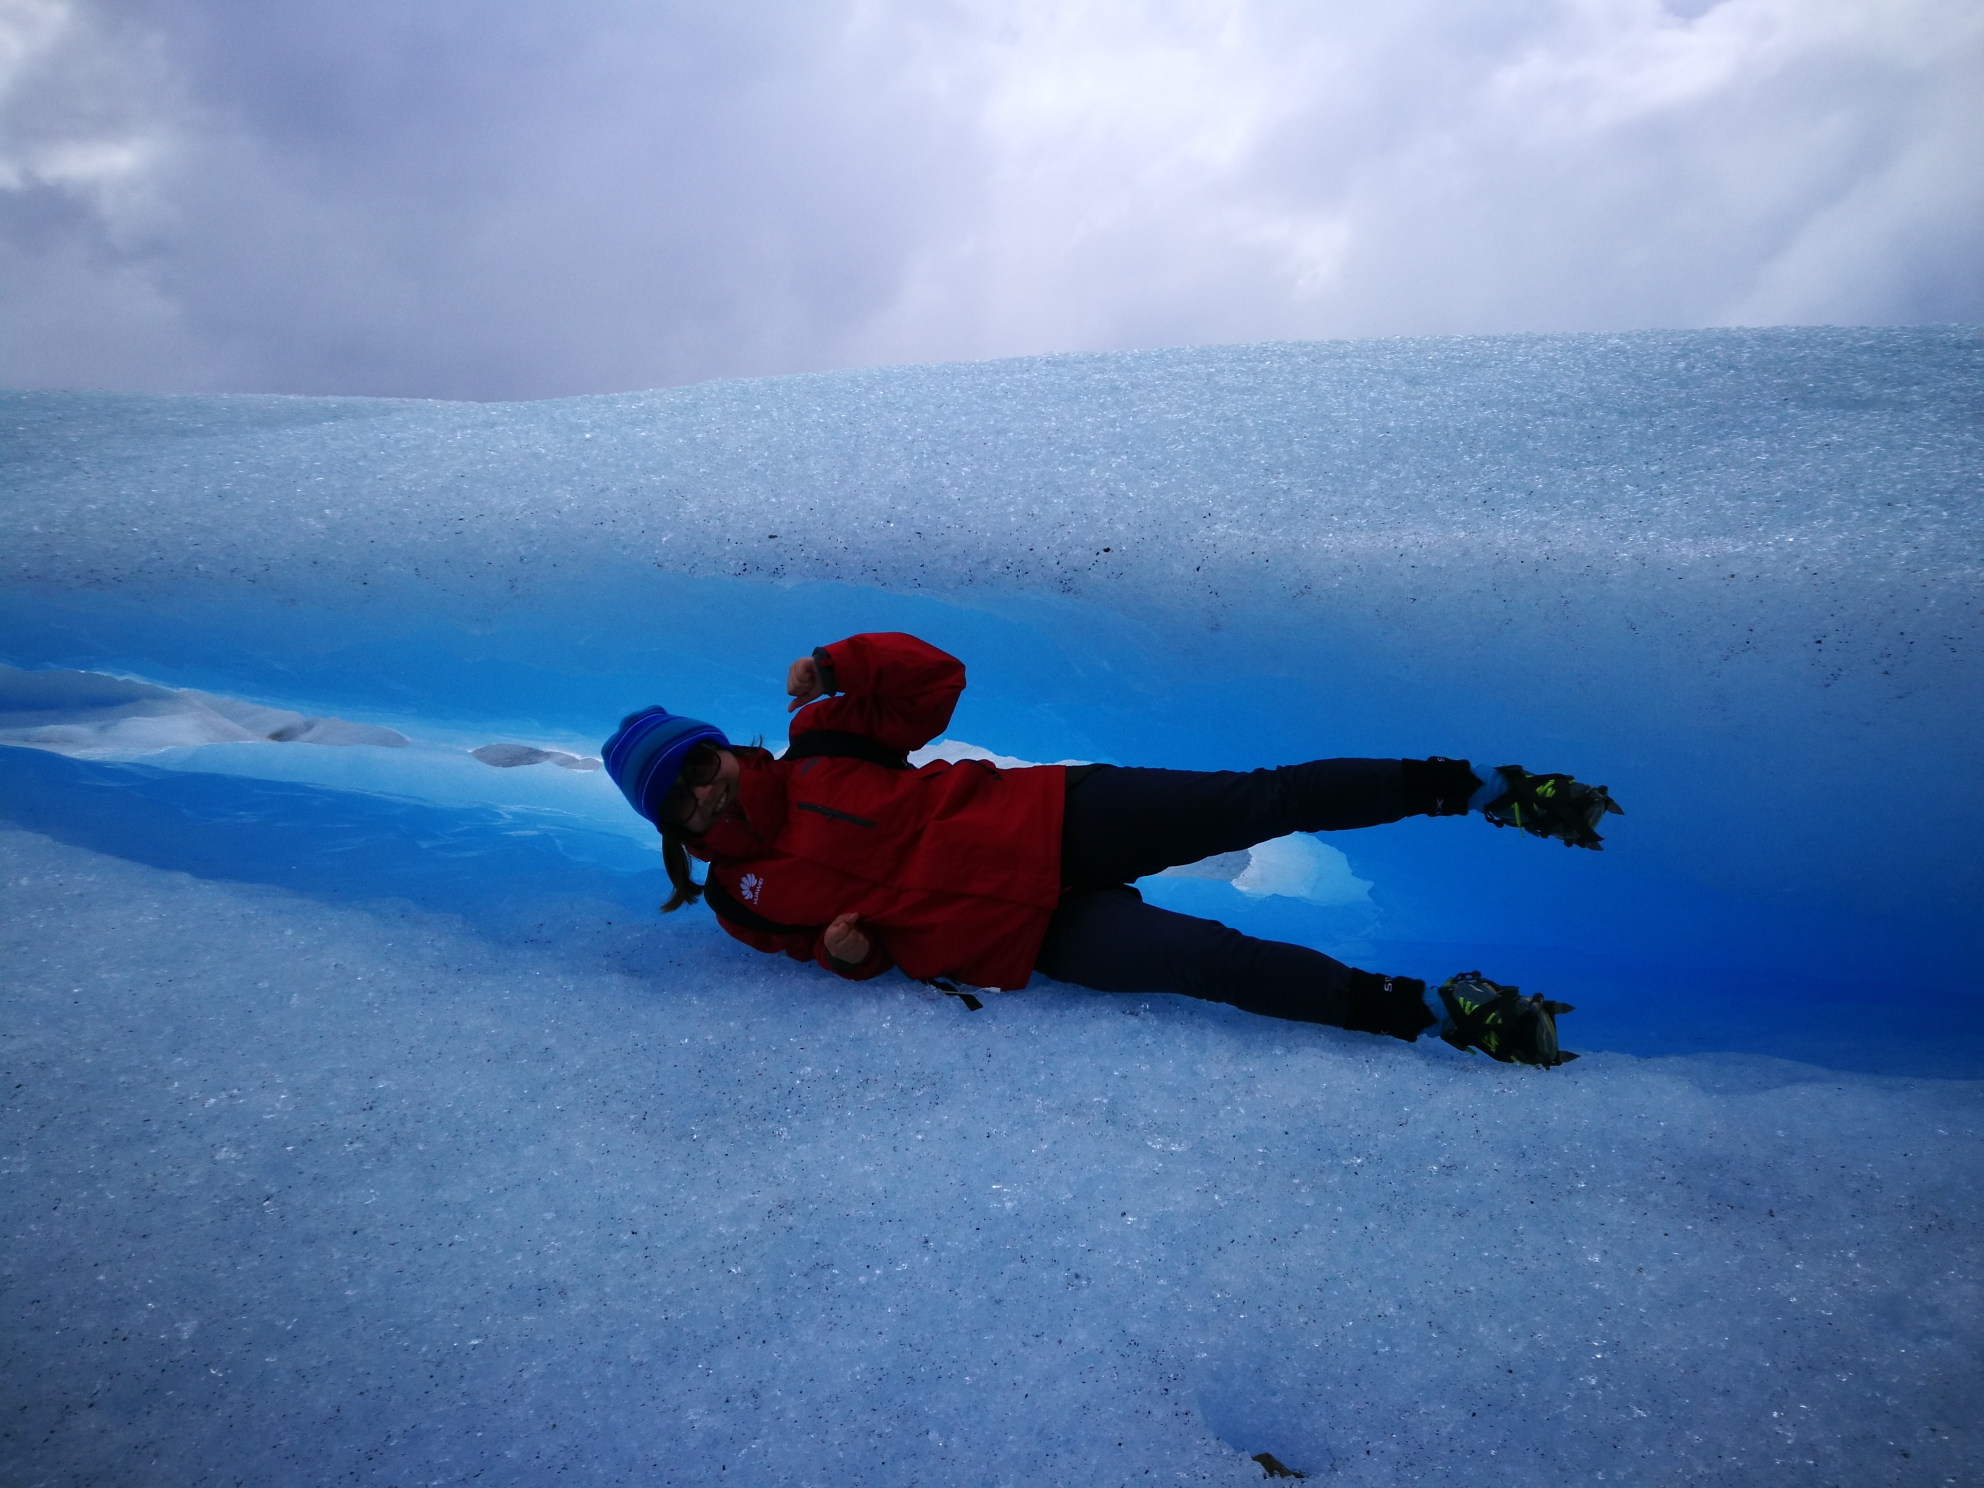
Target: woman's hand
(802,685)
(844,942)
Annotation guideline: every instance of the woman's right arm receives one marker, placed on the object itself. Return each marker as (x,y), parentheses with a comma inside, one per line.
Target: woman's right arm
(849,952)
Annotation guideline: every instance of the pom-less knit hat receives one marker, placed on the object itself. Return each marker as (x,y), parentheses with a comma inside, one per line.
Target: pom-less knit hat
(646,752)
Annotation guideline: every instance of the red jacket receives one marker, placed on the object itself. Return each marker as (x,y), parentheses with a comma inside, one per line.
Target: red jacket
(954,869)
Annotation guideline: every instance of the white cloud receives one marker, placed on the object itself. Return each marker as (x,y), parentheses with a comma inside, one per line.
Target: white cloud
(512,200)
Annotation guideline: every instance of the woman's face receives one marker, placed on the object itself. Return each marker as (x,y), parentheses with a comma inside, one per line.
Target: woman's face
(713,800)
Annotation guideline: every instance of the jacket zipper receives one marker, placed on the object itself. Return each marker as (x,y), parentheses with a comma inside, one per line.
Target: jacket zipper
(859,821)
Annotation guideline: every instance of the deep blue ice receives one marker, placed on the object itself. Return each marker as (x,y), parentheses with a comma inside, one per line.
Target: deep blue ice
(365,1123)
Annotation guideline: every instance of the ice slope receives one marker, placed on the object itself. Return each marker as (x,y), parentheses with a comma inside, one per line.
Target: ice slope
(306,1193)
(367,1124)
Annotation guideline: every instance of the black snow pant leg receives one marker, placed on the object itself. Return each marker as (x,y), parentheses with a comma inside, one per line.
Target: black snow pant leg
(1107,938)
(1122,823)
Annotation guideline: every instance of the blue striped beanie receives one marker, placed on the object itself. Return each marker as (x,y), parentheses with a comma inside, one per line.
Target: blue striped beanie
(646,752)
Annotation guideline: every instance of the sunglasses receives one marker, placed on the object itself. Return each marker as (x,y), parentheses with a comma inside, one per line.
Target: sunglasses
(699,767)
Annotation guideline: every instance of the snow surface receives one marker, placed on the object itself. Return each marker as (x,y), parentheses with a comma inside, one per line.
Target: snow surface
(366,1124)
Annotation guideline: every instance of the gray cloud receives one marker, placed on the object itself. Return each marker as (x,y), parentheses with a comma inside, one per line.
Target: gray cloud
(510,200)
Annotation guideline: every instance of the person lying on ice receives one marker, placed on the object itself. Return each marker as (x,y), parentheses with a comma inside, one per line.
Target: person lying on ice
(840,852)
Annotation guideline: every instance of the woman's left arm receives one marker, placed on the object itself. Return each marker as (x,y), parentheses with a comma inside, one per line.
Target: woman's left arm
(808,678)
(892,688)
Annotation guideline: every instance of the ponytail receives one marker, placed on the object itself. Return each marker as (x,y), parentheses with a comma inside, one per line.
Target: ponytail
(676,861)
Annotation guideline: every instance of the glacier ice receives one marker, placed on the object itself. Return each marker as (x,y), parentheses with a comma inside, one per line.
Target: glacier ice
(367,1123)
(92,715)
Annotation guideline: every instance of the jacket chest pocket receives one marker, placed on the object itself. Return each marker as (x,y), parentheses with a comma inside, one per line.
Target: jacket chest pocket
(833,815)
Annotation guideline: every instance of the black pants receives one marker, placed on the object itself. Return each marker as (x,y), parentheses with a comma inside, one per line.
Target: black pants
(1122,824)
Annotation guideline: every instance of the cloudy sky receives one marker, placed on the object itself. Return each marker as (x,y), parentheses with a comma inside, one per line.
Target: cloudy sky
(513,198)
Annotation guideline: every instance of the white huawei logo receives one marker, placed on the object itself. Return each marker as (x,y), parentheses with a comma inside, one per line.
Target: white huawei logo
(749,885)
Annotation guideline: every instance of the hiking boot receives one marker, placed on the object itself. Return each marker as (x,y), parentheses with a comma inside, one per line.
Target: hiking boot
(1487,1016)
(1551,806)
(1386,1004)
